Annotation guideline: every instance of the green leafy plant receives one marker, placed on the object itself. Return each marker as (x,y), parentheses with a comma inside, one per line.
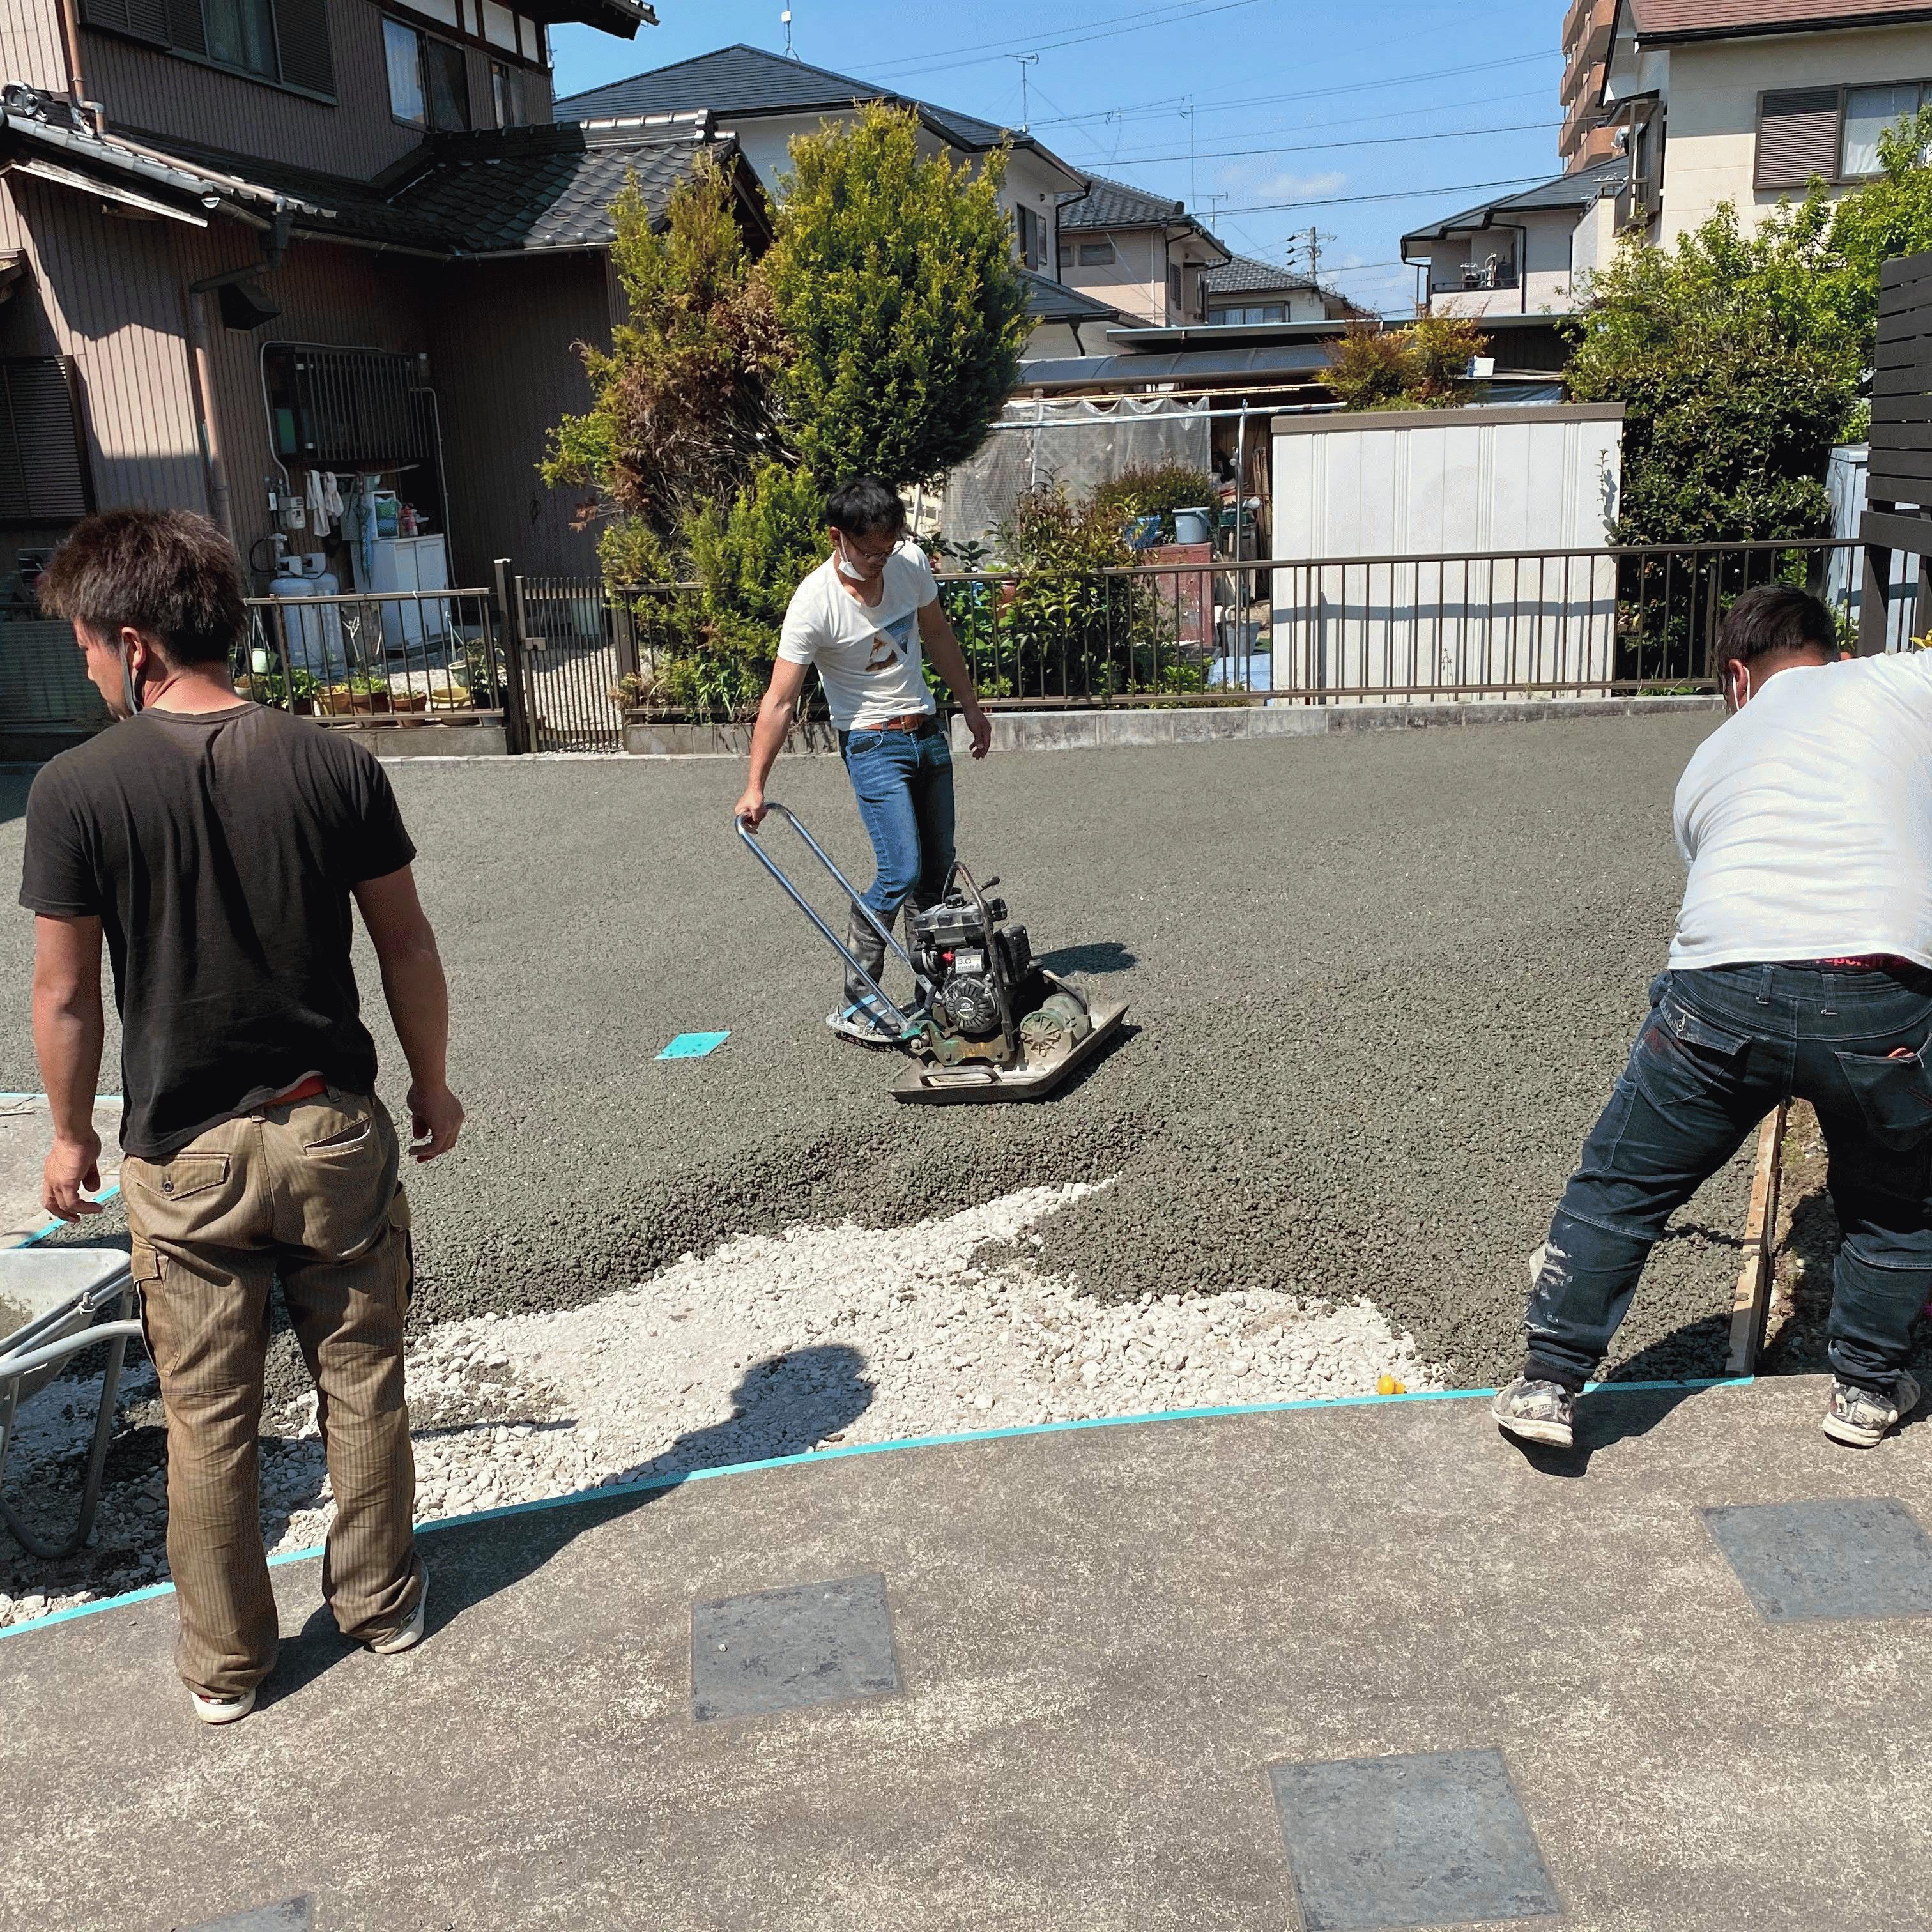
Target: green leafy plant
(681,412)
(1153,489)
(903,312)
(1420,366)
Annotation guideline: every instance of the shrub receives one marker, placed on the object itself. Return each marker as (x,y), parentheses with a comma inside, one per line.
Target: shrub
(892,278)
(1153,489)
(1420,366)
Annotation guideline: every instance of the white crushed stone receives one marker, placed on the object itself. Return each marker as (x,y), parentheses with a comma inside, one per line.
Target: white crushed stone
(773,1345)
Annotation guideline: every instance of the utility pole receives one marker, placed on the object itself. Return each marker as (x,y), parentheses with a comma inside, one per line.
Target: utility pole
(1025,62)
(1193,195)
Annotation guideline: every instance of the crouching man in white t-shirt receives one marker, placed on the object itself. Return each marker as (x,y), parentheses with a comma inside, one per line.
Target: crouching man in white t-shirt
(1800,966)
(862,617)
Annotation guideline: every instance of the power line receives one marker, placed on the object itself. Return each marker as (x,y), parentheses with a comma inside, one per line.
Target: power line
(1365,120)
(1168,103)
(929,65)
(1180,7)
(1314,147)
(1395,194)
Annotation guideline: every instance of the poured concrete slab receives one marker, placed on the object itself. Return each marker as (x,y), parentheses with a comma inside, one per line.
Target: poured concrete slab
(1105,1639)
(292,1915)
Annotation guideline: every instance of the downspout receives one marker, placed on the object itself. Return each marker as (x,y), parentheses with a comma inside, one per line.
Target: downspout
(274,245)
(69,20)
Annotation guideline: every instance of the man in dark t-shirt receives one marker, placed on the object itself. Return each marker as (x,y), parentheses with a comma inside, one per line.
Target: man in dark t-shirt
(217,846)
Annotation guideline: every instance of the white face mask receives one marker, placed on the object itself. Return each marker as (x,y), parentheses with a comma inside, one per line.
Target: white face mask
(853,573)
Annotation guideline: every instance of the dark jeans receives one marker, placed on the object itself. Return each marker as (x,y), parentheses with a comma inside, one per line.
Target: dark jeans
(1721,1048)
(903,781)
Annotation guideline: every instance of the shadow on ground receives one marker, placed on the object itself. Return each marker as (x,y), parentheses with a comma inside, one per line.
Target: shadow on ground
(811,1394)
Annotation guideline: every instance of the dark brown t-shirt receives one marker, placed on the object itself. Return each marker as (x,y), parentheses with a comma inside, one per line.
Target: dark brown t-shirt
(218,851)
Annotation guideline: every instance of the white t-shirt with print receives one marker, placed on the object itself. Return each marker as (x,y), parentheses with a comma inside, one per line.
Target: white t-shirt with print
(1806,819)
(868,655)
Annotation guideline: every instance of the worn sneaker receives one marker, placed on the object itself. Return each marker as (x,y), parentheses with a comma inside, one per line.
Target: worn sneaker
(1860,1418)
(1537,1412)
(409,1634)
(221,1710)
(864,1021)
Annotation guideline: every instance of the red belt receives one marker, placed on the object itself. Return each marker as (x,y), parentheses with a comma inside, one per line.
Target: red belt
(313,1088)
(1868,962)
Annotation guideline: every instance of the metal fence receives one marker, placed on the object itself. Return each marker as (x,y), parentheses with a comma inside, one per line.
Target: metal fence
(405,656)
(1213,629)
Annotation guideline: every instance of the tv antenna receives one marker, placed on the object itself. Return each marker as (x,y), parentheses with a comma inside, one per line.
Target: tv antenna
(784,20)
(1025,62)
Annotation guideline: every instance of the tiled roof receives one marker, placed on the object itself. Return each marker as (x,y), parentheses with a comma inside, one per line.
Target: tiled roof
(505,190)
(1239,275)
(1699,19)
(739,82)
(1112,204)
(1576,190)
(546,187)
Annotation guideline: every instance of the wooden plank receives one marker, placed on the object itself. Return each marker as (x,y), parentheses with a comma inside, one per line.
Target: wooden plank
(1903,352)
(1901,485)
(1890,410)
(1751,1304)
(1901,298)
(1904,268)
(1900,437)
(1882,528)
(1899,382)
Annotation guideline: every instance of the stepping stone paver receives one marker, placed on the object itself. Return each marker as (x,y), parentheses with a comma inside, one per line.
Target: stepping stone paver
(293,1915)
(1840,1557)
(815,1643)
(1435,1839)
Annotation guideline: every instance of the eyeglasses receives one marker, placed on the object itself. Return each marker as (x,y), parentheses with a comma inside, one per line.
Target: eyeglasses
(862,553)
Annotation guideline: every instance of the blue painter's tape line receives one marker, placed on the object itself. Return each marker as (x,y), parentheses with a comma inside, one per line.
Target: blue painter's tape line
(694,1045)
(652,1485)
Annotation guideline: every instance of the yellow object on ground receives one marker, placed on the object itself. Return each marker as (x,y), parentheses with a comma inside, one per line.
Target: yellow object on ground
(1391,1385)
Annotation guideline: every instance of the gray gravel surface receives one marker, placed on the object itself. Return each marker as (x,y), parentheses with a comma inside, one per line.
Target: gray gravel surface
(1382,983)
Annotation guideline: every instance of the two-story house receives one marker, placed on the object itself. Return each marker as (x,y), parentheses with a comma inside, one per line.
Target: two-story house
(1520,254)
(1139,253)
(1747,101)
(243,241)
(766,100)
(1243,292)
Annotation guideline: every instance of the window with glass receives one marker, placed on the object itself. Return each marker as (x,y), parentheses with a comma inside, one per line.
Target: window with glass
(503,94)
(1869,112)
(429,79)
(1097,255)
(1251,312)
(240,33)
(402,48)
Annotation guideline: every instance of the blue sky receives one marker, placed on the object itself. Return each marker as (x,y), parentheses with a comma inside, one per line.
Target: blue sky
(1296,108)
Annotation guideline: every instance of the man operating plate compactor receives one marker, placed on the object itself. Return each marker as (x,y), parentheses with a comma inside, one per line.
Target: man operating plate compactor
(862,617)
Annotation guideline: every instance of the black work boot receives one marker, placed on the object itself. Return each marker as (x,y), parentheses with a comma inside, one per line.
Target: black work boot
(860,1016)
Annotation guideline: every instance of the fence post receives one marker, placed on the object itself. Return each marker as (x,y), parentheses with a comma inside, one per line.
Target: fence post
(510,613)
(1874,601)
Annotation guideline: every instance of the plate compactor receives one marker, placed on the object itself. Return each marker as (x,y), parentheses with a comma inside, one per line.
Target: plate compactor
(987,1020)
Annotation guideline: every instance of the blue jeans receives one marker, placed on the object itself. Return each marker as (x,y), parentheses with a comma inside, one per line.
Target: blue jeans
(1721,1048)
(903,781)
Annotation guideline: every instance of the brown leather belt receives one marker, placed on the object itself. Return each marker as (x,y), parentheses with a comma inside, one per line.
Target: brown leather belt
(911,720)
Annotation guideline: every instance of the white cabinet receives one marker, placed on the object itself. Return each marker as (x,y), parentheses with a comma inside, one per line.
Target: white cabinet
(407,563)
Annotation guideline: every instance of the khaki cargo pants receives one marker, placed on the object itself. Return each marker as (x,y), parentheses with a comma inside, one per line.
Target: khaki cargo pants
(308,1193)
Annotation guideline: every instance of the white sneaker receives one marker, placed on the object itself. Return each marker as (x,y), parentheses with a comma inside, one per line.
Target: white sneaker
(407,1635)
(221,1710)
(1857,1417)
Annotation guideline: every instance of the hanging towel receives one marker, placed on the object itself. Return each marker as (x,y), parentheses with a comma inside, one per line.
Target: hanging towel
(331,497)
(312,494)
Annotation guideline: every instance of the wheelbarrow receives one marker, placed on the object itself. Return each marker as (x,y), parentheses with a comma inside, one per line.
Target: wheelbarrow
(51,1300)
